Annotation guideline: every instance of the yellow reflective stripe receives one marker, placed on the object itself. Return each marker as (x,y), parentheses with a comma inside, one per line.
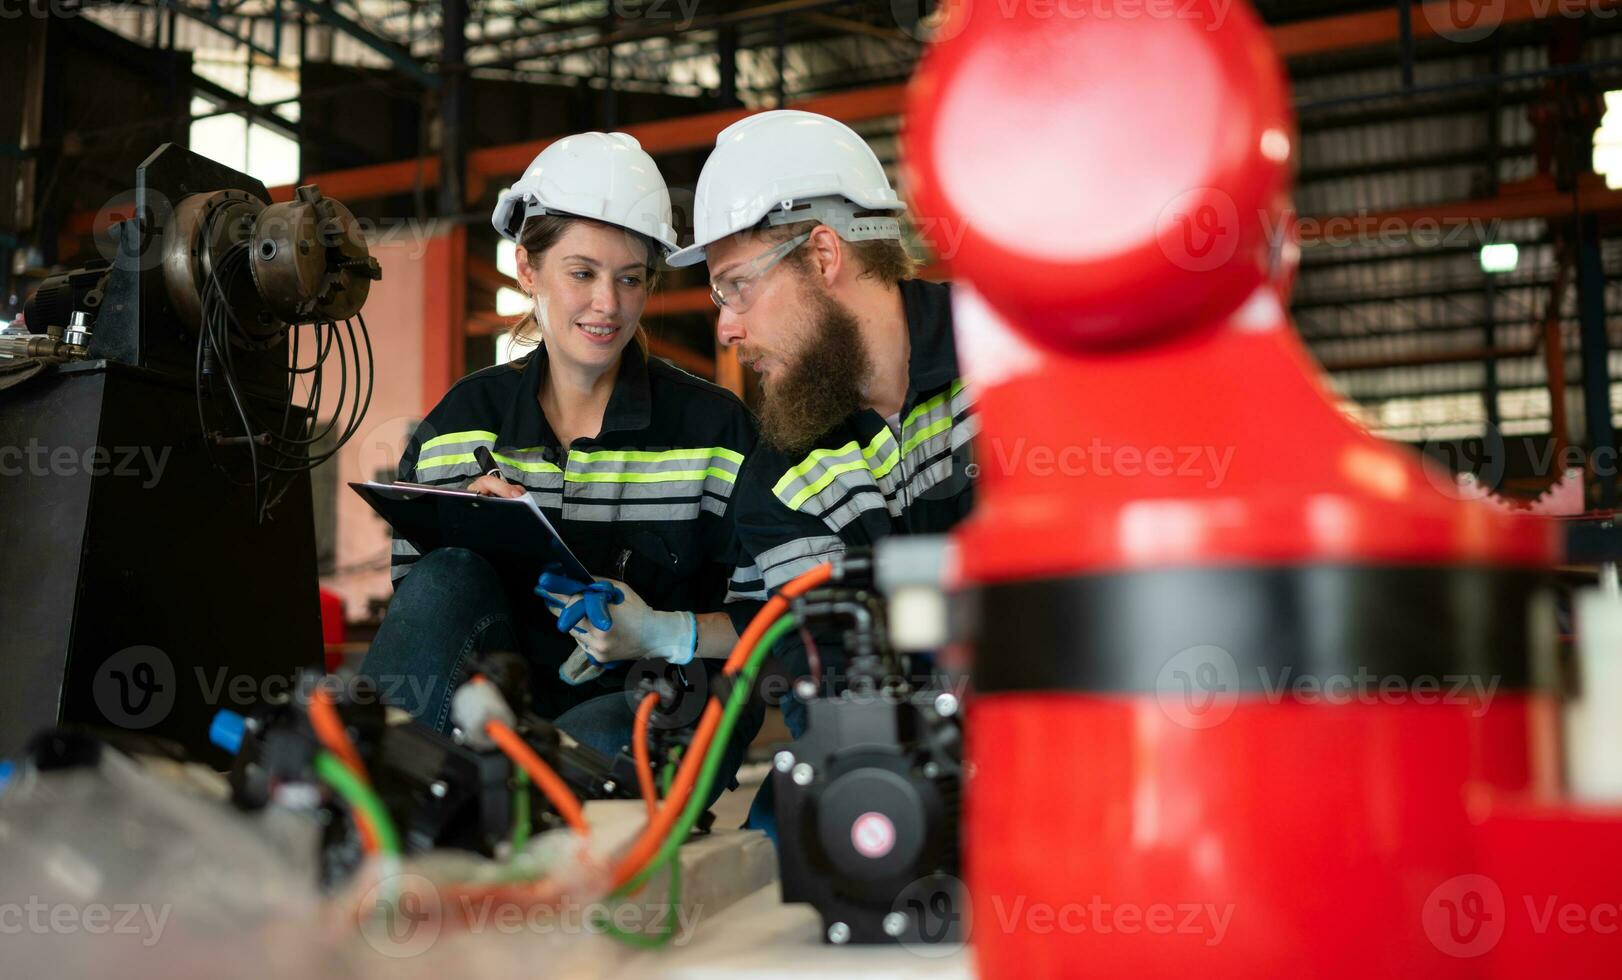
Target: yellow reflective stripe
(833,471)
(640,456)
(527,466)
(449,459)
(889,462)
(799,471)
(866,462)
(470,436)
(667,476)
(924,407)
(934,428)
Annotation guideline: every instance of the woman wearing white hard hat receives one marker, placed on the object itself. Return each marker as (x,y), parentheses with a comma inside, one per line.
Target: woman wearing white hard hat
(631,459)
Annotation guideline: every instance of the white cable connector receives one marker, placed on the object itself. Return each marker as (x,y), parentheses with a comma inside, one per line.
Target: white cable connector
(476,704)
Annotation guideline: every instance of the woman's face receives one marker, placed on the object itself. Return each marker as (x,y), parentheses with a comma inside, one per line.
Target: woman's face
(591,286)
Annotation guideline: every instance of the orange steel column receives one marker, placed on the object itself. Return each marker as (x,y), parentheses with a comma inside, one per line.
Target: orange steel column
(444,334)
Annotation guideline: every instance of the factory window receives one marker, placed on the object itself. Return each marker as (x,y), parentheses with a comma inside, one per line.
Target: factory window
(232,138)
(1608,141)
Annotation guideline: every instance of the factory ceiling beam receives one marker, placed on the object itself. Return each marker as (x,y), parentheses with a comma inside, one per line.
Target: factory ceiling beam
(1378,27)
(1537,197)
(214,23)
(699,131)
(389,49)
(662,30)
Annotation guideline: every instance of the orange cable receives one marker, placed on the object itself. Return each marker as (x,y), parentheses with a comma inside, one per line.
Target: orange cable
(557,791)
(639,749)
(653,836)
(329,728)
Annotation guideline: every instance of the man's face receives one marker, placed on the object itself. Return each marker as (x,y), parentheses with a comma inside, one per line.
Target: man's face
(770,332)
(807,346)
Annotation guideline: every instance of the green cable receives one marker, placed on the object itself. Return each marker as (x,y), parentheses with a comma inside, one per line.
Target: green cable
(712,761)
(359,796)
(657,939)
(701,792)
(520,810)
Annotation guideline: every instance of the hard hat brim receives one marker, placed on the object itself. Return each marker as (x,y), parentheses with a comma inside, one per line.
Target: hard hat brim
(684,257)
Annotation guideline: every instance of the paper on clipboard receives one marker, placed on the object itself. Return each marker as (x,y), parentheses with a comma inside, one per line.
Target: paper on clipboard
(509,531)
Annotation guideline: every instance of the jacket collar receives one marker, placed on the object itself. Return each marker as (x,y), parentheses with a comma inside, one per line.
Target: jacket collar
(932,360)
(630,405)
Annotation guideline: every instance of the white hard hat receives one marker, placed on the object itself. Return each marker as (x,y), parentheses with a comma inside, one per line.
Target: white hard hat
(604,176)
(785,166)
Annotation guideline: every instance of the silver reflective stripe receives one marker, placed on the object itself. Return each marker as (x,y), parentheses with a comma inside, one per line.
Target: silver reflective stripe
(605,461)
(649,491)
(402,555)
(824,476)
(780,564)
(745,584)
(853,508)
(964,430)
(929,478)
(574,510)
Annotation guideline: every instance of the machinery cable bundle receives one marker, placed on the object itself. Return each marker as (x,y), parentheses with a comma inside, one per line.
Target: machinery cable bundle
(253,292)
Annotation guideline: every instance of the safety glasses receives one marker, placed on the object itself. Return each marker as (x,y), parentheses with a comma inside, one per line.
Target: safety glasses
(736,292)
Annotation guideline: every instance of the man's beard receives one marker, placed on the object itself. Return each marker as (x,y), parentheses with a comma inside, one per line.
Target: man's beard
(823,384)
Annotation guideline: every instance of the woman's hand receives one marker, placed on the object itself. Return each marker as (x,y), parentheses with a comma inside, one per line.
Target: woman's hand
(637,630)
(494,486)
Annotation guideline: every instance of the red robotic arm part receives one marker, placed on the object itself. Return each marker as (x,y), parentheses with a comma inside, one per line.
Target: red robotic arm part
(1240,667)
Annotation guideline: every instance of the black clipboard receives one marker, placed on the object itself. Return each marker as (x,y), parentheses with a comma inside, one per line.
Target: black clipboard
(511,532)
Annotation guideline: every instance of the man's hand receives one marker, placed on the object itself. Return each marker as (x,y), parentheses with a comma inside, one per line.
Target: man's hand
(636,631)
(494,486)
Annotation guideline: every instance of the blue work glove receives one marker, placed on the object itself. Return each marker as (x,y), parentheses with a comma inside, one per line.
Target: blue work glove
(591,602)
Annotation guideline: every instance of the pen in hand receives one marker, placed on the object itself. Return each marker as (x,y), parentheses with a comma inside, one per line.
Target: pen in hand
(492,482)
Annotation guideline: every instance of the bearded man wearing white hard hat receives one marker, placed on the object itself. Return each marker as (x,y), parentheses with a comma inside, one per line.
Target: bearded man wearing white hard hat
(630,458)
(865,423)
